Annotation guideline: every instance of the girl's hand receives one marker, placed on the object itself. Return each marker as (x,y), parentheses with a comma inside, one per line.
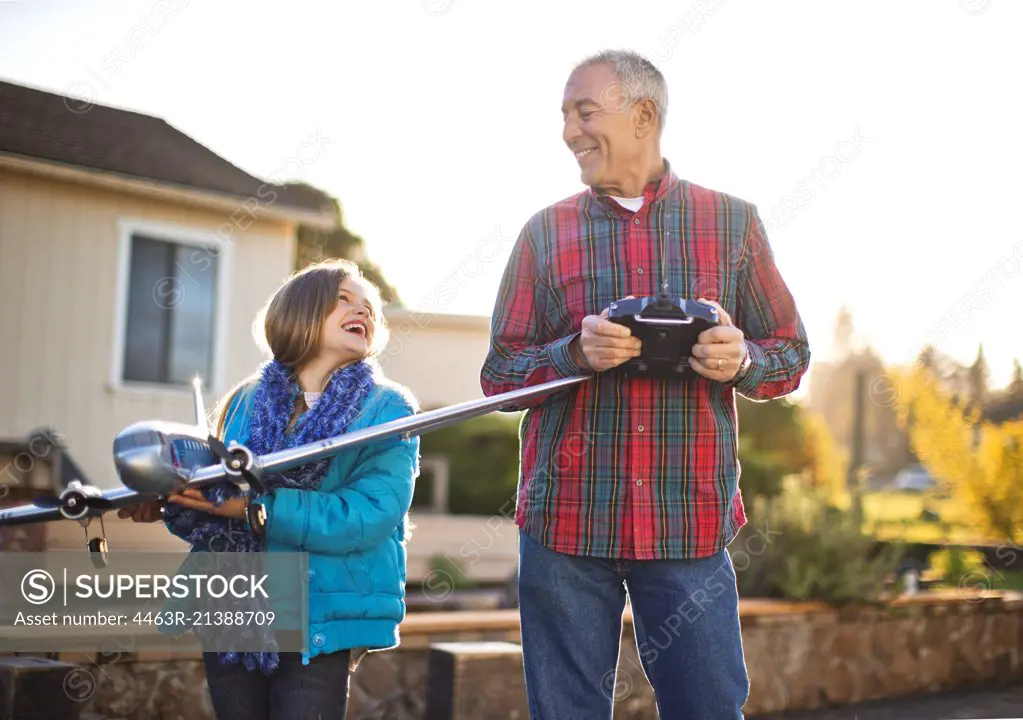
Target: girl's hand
(149,512)
(193,498)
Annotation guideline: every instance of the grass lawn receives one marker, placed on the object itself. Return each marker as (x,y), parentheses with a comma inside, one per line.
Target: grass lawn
(1006,580)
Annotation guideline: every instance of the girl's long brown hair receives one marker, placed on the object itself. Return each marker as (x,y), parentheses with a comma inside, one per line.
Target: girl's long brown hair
(289,325)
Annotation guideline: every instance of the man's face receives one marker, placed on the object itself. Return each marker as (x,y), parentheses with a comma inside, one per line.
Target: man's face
(598,130)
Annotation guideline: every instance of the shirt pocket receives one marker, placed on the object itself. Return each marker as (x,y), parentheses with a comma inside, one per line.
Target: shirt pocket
(578,293)
(711,281)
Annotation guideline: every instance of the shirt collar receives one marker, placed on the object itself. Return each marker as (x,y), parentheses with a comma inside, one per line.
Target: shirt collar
(655,191)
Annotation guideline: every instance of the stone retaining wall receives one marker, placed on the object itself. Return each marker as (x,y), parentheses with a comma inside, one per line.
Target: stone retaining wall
(798,655)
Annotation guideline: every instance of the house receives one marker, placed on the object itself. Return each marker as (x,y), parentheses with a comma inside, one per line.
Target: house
(438,356)
(131,259)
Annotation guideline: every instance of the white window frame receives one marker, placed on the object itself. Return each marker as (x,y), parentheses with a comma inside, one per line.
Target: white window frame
(177,234)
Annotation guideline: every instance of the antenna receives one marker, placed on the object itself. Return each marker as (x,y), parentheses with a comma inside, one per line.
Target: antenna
(200,407)
(663,301)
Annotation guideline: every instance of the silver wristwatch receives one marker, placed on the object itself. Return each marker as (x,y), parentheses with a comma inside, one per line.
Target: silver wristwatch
(747,363)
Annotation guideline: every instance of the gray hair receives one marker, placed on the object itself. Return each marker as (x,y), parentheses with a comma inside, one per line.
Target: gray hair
(640,78)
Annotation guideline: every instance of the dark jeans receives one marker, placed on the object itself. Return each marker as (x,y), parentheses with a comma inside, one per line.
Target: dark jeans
(317,691)
(686,615)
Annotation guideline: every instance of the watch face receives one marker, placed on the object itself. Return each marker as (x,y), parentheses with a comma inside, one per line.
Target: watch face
(258,518)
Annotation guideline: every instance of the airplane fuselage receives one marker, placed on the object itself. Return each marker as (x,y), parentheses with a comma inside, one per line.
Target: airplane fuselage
(158,457)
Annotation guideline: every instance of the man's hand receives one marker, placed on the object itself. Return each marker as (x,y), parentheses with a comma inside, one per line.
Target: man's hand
(604,345)
(719,351)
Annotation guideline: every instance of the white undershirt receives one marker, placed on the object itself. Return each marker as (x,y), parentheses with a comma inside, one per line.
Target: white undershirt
(633,204)
(311,398)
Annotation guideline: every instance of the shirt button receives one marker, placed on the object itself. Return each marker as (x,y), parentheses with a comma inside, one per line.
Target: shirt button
(319,640)
(639,482)
(639,271)
(640,428)
(637,221)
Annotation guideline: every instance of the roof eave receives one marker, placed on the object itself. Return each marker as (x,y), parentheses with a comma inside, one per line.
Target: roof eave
(262,210)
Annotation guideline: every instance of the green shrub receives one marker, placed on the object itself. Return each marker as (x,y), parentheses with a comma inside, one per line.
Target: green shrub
(761,474)
(807,549)
(483,456)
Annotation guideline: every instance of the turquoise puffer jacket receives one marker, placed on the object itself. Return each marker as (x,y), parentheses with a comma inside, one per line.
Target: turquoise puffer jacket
(353,528)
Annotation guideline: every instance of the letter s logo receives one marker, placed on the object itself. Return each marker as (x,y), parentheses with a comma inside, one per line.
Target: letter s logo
(38,586)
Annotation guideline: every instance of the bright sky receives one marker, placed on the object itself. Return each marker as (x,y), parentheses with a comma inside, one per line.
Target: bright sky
(890,131)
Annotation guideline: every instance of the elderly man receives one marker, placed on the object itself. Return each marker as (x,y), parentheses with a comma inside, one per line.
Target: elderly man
(629,486)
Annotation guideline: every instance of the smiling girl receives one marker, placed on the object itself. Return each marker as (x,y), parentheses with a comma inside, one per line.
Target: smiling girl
(322,328)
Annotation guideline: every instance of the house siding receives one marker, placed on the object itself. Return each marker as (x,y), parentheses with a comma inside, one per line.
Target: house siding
(437,356)
(59,256)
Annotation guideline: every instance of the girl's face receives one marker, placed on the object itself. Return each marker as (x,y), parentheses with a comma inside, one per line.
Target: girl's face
(347,333)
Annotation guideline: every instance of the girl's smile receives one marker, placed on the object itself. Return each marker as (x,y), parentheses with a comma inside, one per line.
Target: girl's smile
(349,330)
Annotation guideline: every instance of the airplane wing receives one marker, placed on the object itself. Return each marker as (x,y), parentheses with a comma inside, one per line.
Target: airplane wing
(26,514)
(123,497)
(47,509)
(414,425)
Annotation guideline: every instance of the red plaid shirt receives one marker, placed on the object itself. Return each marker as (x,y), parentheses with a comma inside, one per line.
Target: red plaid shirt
(624,467)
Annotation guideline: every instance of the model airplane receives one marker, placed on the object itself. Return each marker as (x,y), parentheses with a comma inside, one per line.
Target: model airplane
(155,459)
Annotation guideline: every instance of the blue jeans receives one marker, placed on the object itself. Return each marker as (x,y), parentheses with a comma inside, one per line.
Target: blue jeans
(686,615)
(317,691)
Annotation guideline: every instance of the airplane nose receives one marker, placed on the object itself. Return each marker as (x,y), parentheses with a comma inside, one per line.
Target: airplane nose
(144,470)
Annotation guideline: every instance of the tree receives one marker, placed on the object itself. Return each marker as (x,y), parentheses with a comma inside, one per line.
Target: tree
(1016,384)
(484,464)
(779,439)
(945,369)
(928,358)
(827,468)
(980,462)
(315,244)
(771,445)
(978,376)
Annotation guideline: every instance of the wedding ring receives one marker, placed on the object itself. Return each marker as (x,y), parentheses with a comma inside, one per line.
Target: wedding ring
(719,363)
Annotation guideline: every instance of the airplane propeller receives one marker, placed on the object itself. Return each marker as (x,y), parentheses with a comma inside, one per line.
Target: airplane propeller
(75,502)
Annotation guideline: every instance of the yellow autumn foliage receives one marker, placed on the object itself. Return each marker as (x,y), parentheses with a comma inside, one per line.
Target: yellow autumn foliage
(828,461)
(980,463)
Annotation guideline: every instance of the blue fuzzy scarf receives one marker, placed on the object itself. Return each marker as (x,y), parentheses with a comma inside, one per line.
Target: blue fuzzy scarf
(273,404)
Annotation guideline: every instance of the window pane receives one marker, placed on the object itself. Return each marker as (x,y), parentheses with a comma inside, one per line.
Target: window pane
(146,327)
(192,328)
(171,310)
